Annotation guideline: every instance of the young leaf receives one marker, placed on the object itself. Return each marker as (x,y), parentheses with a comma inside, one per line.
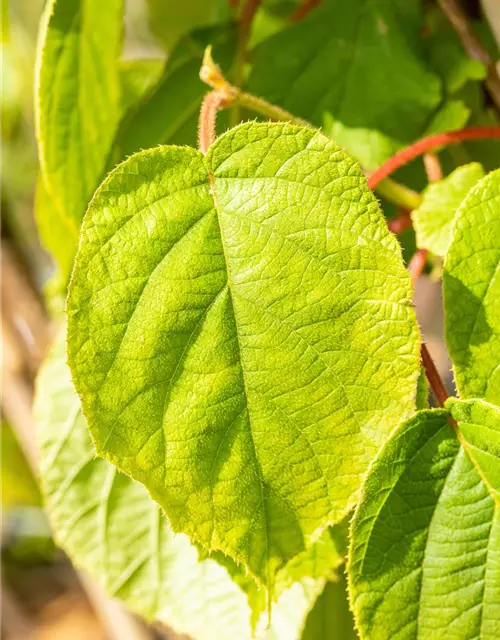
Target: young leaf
(109,525)
(242,335)
(471,286)
(479,424)
(434,217)
(351,68)
(77,106)
(425,541)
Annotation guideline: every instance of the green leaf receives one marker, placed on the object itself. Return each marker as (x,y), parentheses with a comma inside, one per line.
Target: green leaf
(242,336)
(109,525)
(355,69)
(425,540)
(479,424)
(77,108)
(471,285)
(453,115)
(330,618)
(434,217)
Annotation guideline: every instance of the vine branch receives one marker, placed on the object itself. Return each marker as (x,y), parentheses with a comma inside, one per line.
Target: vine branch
(428,144)
(415,269)
(303,9)
(244,31)
(435,381)
(472,45)
(401,222)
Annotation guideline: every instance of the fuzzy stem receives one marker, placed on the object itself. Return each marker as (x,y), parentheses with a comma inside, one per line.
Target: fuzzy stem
(398,194)
(427,144)
(212,103)
(268,110)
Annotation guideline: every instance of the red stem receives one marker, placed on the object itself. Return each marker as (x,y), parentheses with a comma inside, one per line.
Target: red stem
(438,389)
(427,144)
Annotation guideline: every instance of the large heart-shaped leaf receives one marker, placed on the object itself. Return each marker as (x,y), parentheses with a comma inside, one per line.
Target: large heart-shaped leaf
(242,335)
(425,550)
(471,283)
(109,525)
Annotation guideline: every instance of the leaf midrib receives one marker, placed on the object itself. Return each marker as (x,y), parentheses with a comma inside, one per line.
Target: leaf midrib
(213,193)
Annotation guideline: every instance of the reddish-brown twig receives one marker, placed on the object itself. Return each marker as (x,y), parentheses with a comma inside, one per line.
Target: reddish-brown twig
(473,46)
(435,381)
(427,144)
(305,7)
(401,222)
(417,263)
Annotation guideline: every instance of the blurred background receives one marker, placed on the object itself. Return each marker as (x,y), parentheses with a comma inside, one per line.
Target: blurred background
(43,595)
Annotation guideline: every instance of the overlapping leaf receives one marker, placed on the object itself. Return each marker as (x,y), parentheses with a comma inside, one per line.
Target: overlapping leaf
(356,69)
(77,110)
(471,282)
(242,336)
(110,526)
(479,423)
(425,554)
(434,217)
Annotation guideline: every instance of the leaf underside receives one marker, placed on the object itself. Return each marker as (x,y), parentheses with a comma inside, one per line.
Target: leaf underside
(242,336)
